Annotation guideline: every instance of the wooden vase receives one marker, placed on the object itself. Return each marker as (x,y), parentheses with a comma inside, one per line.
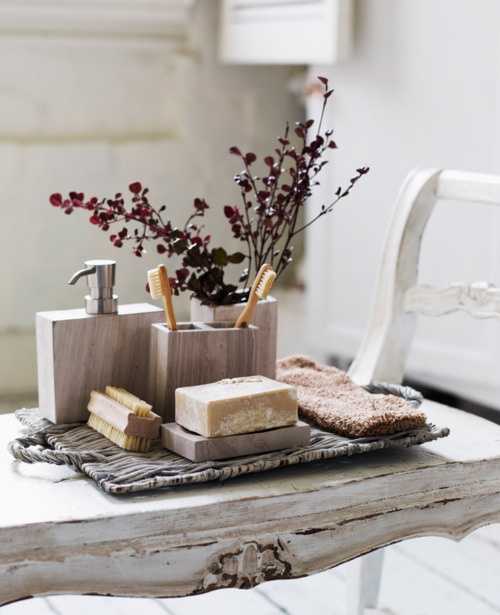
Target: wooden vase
(266,319)
(197,353)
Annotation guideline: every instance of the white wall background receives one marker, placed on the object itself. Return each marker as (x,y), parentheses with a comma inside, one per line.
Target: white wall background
(420,89)
(92,96)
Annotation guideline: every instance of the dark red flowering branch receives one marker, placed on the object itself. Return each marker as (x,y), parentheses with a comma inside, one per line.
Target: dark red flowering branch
(273,202)
(267,222)
(202,270)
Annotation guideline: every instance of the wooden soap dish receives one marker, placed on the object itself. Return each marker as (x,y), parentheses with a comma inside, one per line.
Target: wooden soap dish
(199,448)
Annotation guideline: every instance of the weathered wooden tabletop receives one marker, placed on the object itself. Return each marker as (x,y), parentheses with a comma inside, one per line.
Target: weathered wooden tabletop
(60,534)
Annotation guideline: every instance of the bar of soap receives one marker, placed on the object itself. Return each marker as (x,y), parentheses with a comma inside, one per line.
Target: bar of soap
(235,406)
(199,448)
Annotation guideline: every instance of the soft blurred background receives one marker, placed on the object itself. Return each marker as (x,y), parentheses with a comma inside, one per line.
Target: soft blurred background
(96,94)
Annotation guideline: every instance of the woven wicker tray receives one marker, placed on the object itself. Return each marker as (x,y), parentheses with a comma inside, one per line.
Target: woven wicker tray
(118,472)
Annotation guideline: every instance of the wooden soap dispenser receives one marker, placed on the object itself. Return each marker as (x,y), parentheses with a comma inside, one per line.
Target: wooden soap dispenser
(88,349)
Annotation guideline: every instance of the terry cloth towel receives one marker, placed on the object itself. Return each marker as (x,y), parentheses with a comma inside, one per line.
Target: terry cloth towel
(332,401)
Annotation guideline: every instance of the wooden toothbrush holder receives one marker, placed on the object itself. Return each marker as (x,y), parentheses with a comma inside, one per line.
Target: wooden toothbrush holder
(265,318)
(197,353)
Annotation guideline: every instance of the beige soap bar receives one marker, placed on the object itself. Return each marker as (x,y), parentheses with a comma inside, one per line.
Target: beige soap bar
(236,405)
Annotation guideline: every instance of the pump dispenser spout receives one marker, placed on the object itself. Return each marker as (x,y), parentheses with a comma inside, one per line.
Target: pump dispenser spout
(100,277)
(79,274)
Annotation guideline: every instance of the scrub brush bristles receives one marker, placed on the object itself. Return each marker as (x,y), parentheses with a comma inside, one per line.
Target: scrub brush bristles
(124,419)
(129,443)
(136,405)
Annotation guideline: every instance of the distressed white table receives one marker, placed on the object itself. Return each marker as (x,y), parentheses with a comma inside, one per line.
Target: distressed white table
(60,534)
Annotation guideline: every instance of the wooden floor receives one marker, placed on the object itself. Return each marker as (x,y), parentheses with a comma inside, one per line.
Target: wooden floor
(425,576)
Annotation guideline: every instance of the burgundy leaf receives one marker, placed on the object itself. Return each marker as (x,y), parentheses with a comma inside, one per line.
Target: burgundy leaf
(229,211)
(56,199)
(182,274)
(135,187)
(200,204)
(250,158)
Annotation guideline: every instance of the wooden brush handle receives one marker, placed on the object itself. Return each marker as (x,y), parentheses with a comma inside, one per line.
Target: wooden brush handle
(169,312)
(247,313)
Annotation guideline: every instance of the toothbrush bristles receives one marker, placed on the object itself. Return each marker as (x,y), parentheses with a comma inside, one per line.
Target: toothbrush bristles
(265,284)
(154,281)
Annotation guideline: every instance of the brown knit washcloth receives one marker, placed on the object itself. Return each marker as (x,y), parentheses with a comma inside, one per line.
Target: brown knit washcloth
(332,401)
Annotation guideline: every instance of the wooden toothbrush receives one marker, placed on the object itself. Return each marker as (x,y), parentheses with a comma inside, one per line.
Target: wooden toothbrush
(260,289)
(159,287)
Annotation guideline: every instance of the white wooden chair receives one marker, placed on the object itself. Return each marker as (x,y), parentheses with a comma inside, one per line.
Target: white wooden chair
(399,299)
(60,534)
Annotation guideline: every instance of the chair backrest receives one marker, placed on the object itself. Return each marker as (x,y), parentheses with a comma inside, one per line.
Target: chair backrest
(398,299)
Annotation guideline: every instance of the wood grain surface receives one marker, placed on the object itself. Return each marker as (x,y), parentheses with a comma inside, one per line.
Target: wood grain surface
(196,354)
(78,353)
(59,534)
(266,319)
